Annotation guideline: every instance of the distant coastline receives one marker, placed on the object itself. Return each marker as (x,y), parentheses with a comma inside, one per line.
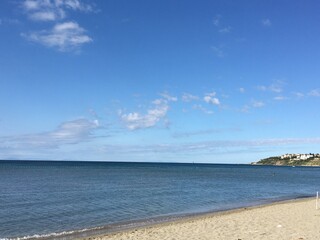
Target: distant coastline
(309,159)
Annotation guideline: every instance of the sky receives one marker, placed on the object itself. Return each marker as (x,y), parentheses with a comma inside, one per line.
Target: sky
(159,80)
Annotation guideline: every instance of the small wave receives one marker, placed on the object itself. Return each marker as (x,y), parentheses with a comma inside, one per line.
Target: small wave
(52,235)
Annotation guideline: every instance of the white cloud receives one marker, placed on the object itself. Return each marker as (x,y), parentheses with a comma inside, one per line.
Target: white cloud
(67,36)
(280,98)
(242,90)
(218,51)
(262,88)
(74,5)
(46,16)
(187,97)
(216,20)
(209,146)
(276,87)
(74,131)
(202,109)
(298,94)
(52,10)
(64,36)
(315,93)
(253,104)
(70,132)
(225,30)
(257,104)
(211,98)
(137,120)
(312,93)
(34,4)
(245,109)
(266,22)
(221,28)
(168,97)
(204,132)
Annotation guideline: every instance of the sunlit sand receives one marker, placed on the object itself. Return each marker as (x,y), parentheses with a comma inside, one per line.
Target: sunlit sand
(296,219)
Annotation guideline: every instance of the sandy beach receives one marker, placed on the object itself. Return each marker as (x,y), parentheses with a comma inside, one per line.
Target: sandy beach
(296,219)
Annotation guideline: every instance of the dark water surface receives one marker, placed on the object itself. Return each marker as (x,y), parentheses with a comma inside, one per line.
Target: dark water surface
(48,198)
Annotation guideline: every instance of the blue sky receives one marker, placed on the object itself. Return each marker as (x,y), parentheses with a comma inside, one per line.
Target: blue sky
(165,81)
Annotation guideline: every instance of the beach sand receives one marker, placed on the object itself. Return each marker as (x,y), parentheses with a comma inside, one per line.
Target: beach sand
(296,219)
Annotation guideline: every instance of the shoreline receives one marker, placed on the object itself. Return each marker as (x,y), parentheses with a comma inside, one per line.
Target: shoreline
(134,231)
(137,229)
(198,191)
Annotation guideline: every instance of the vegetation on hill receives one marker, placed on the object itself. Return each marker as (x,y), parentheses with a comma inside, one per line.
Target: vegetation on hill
(291,160)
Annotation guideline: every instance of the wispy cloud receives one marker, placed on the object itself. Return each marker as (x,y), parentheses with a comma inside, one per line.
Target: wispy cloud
(209,146)
(253,104)
(52,10)
(67,36)
(314,92)
(136,120)
(245,109)
(216,20)
(276,87)
(218,51)
(204,132)
(187,97)
(242,90)
(9,21)
(168,97)
(221,28)
(202,109)
(71,132)
(280,98)
(225,30)
(209,98)
(47,16)
(299,94)
(257,104)
(266,22)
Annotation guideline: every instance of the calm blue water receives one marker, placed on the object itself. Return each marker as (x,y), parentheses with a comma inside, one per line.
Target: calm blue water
(42,198)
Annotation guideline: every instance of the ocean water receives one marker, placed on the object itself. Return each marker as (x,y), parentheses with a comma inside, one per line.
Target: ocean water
(54,199)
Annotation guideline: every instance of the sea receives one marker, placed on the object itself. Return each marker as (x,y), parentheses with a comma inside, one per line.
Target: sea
(64,200)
